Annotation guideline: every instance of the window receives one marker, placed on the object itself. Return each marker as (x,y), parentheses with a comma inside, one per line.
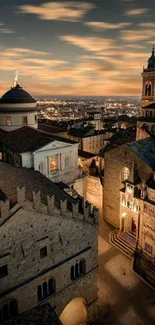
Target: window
(72,272)
(43,252)
(51,287)
(3,271)
(45,294)
(148,248)
(82,267)
(125,174)
(24,120)
(8,120)
(78,270)
(35,118)
(46,290)
(8,310)
(67,162)
(39,293)
(41,167)
(13,308)
(53,164)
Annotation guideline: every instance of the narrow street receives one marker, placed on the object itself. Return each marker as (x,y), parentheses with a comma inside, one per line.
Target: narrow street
(123,298)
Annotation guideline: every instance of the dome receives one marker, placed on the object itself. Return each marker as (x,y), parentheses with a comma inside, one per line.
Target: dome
(17,95)
(151,60)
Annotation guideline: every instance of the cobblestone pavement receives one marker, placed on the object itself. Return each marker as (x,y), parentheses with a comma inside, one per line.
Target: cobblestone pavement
(123,298)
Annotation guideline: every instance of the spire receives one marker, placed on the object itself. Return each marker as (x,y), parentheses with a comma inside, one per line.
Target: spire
(153,51)
(16,74)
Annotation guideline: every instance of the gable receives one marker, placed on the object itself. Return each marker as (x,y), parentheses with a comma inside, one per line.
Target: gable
(54,145)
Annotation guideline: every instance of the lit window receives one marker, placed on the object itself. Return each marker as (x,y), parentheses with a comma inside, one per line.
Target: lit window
(3,271)
(148,248)
(43,252)
(8,120)
(53,164)
(24,120)
(125,174)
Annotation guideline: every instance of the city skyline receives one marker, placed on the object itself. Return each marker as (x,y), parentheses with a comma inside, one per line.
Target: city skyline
(77,48)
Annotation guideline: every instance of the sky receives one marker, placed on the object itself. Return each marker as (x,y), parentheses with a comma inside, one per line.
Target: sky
(78,48)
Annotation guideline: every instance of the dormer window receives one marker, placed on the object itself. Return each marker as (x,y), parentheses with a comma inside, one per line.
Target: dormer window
(129,188)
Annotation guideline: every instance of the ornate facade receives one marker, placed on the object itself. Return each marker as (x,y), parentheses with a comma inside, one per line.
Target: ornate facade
(146,123)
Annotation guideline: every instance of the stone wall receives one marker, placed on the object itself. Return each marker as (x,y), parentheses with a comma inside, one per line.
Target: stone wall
(68,238)
(115,161)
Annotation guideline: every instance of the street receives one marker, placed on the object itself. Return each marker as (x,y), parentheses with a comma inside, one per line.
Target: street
(123,298)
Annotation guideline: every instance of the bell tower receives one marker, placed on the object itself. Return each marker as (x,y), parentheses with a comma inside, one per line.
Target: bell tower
(148,81)
(146,122)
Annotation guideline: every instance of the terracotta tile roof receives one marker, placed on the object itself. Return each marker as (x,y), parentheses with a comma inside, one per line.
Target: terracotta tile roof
(40,315)
(28,139)
(12,177)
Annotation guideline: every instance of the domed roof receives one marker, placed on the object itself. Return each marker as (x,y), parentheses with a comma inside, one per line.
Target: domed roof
(151,60)
(17,95)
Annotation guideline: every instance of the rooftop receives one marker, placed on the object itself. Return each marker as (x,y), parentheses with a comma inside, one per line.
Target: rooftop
(12,177)
(50,128)
(40,315)
(85,154)
(17,95)
(145,149)
(28,139)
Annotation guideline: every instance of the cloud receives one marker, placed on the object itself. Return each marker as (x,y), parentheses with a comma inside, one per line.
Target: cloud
(92,44)
(6,31)
(104,25)
(137,35)
(147,25)
(65,11)
(137,12)
(18,51)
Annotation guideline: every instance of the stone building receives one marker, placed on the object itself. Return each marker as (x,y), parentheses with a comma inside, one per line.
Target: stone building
(129,196)
(48,248)
(55,157)
(146,122)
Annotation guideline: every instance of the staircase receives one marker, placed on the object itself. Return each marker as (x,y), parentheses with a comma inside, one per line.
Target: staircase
(124,241)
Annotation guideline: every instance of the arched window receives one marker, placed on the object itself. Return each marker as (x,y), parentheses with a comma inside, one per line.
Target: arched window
(148,89)
(13,308)
(125,174)
(76,270)
(39,293)
(41,167)
(45,293)
(51,287)
(72,272)
(82,267)
(5,312)
(129,201)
